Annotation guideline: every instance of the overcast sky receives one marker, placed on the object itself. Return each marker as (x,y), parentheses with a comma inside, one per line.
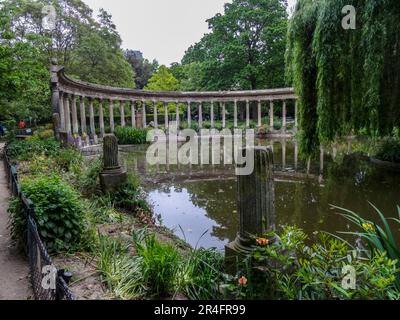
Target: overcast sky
(161,29)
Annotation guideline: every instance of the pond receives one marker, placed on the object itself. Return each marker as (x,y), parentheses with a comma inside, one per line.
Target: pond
(199,202)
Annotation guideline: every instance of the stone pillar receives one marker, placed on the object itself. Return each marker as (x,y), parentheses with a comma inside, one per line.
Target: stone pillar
(101,118)
(166,120)
(55,96)
(296,155)
(223,115)
(133,114)
(177,115)
(189,115)
(201,115)
(75,127)
(321,159)
(122,111)
(247,114)
(284,112)
(83,115)
(111,111)
(235,114)
(256,204)
(62,111)
(67,113)
(271,115)
(283,155)
(212,115)
(259,124)
(296,115)
(113,176)
(91,116)
(155,114)
(144,114)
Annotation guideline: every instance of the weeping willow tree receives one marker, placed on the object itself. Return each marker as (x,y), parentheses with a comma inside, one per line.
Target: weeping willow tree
(347,80)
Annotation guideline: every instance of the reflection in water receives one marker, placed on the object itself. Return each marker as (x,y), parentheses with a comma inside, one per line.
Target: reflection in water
(193,200)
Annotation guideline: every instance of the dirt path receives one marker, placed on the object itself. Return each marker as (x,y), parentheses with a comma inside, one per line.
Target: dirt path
(14,270)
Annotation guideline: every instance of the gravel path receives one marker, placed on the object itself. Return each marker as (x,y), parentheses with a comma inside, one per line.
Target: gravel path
(14,270)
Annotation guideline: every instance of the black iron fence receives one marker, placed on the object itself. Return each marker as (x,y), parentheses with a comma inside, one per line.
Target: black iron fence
(48,283)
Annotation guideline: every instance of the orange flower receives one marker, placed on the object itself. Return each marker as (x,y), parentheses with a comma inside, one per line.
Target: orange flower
(243,281)
(262,242)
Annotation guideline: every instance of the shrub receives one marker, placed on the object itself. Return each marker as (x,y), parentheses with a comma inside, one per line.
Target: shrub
(26,149)
(389,150)
(128,135)
(159,265)
(59,213)
(65,158)
(290,269)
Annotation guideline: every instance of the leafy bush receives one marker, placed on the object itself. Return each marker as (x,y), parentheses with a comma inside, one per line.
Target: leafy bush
(24,150)
(128,135)
(59,213)
(159,265)
(65,158)
(389,150)
(290,269)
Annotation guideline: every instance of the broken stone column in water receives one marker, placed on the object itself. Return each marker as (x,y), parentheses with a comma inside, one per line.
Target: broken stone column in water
(256,204)
(113,176)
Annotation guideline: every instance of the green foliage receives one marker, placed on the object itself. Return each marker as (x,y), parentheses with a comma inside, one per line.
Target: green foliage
(388,150)
(120,272)
(159,264)
(129,135)
(59,213)
(244,50)
(346,79)
(379,237)
(162,80)
(143,68)
(26,149)
(291,269)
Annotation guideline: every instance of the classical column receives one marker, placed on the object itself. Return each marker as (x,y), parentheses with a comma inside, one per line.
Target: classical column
(62,111)
(91,115)
(212,115)
(133,114)
(166,120)
(67,113)
(296,114)
(223,115)
(321,159)
(259,124)
(155,114)
(235,114)
(75,127)
(283,155)
(101,118)
(247,114)
(83,115)
(112,126)
(122,109)
(189,115)
(271,115)
(284,112)
(113,175)
(296,155)
(177,115)
(201,115)
(256,203)
(144,115)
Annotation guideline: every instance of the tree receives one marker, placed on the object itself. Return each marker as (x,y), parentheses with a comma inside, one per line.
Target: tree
(245,48)
(347,80)
(88,47)
(163,80)
(142,68)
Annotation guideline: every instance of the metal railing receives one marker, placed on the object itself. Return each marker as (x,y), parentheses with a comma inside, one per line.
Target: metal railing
(37,253)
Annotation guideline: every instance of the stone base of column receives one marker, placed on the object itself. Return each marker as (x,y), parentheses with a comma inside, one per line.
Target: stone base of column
(236,252)
(112,179)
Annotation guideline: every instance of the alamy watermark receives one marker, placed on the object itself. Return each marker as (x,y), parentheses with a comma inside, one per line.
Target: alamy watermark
(49,18)
(187,147)
(349,21)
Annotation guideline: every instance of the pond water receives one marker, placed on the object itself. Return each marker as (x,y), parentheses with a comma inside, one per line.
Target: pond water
(199,202)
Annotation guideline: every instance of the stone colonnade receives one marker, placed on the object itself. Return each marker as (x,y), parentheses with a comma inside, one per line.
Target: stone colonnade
(89,110)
